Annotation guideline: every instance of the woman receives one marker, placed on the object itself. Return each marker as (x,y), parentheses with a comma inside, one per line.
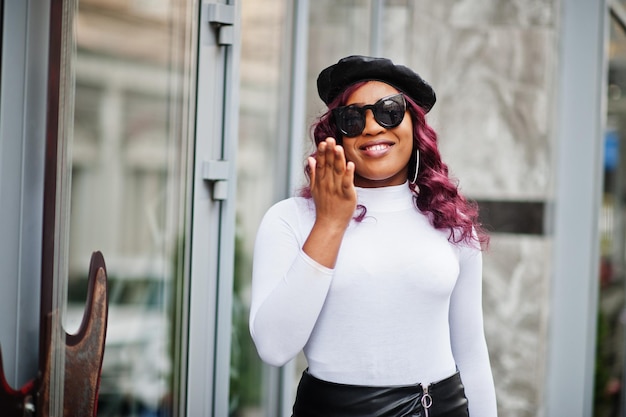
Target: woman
(375,272)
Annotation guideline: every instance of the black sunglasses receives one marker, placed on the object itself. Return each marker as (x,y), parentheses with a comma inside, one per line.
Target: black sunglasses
(388,112)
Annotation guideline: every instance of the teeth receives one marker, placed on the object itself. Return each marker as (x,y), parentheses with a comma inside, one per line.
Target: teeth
(377,147)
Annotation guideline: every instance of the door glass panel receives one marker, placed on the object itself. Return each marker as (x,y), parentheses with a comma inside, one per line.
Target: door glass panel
(129,190)
(610,348)
(335,29)
(260,183)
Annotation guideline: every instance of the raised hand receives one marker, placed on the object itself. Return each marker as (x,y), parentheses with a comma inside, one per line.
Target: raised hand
(334,195)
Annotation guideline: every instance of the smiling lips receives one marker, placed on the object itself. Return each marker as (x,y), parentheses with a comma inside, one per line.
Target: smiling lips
(376,149)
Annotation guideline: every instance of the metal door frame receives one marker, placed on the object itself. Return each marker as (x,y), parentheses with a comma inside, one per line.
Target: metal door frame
(580,125)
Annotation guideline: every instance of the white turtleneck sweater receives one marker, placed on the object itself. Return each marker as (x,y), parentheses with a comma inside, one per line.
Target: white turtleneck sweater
(403,305)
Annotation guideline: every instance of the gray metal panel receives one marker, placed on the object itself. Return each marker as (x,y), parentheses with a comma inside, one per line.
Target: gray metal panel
(213,224)
(580,123)
(22,140)
(227,222)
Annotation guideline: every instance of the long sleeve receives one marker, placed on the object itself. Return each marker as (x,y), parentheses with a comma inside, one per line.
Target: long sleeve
(288,287)
(467,335)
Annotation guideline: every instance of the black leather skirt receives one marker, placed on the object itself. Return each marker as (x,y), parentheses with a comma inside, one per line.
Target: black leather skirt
(317,398)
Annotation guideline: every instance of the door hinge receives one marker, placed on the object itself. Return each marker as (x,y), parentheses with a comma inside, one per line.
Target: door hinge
(222,17)
(217,172)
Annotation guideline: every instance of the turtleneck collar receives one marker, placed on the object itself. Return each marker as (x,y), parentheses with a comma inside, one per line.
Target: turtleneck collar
(391,198)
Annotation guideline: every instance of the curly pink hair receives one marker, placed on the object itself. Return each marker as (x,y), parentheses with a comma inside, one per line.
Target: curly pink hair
(436,194)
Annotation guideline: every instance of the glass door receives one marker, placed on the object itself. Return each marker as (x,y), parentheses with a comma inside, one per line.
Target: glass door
(261,181)
(129,191)
(609,386)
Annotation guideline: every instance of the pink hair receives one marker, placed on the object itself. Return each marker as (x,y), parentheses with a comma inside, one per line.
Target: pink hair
(435,193)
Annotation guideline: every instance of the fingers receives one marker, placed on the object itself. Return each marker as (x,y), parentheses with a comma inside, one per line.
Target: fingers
(332,184)
(339,163)
(330,158)
(327,156)
(330,173)
(312,164)
(348,179)
(320,157)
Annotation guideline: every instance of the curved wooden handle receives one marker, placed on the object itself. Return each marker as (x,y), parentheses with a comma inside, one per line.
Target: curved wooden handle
(84,352)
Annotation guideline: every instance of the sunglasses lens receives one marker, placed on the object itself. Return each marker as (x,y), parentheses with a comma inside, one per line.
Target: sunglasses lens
(389,111)
(350,121)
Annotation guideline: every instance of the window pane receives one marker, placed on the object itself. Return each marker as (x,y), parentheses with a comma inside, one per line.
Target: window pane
(609,389)
(261,176)
(128,190)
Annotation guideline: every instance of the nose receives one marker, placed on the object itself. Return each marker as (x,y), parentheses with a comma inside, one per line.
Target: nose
(371,125)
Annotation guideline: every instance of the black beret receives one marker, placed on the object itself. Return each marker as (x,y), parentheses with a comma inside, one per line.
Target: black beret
(333,80)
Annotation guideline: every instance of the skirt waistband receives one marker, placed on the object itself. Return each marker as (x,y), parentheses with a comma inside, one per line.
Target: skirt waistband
(318,398)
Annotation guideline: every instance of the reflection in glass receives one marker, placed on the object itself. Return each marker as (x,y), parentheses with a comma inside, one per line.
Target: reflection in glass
(261,181)
(128,190)
(609,387)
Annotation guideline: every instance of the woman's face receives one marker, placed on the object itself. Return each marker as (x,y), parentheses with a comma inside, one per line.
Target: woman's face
(380,155)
